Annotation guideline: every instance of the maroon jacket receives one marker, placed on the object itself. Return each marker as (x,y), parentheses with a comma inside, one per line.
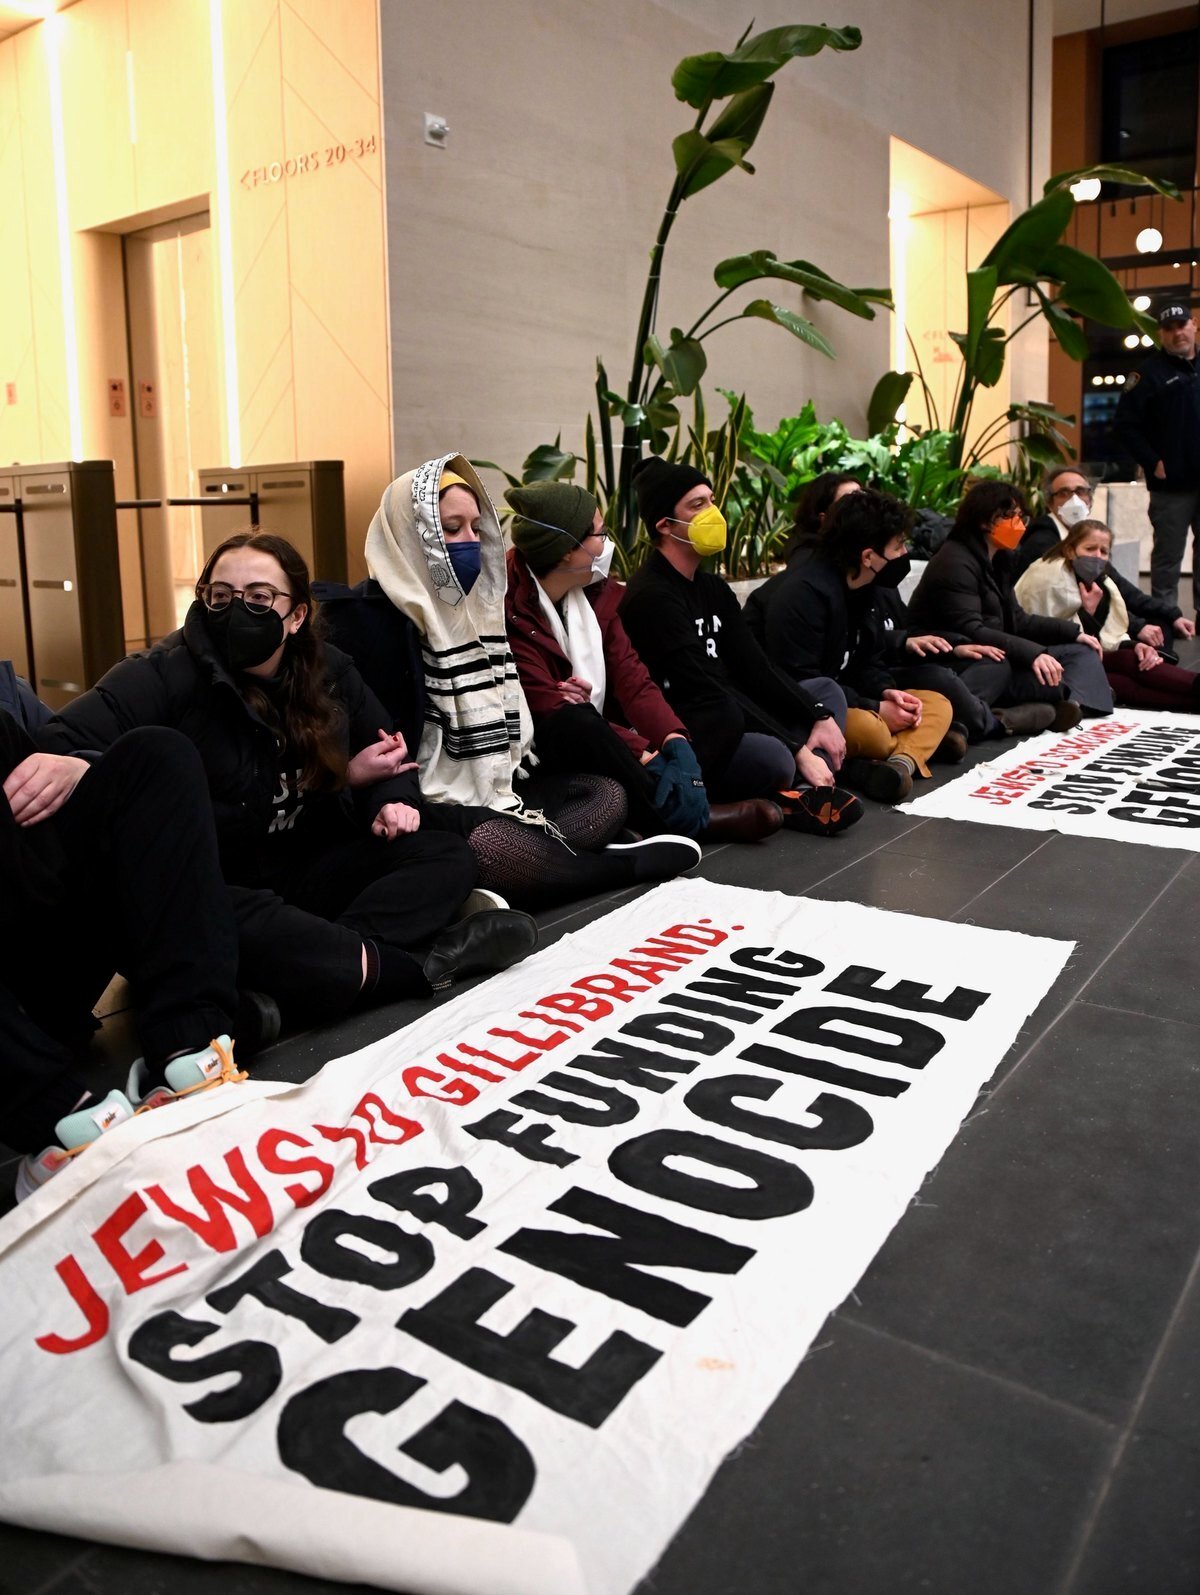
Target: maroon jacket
(631,698)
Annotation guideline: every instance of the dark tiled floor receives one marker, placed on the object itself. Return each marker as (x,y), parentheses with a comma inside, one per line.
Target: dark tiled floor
(1011,1401)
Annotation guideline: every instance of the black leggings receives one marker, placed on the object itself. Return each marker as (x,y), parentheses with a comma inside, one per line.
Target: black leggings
(124,877)
(528,864)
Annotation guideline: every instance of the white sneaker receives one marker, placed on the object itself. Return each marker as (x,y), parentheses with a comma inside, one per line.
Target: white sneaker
(75,1131)
(209,1066)
(479,900)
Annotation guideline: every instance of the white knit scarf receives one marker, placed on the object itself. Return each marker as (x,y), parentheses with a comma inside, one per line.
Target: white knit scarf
(577,632)
(477,725)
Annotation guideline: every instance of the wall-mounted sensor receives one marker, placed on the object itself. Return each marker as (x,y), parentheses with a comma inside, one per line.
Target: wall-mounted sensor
(437,130)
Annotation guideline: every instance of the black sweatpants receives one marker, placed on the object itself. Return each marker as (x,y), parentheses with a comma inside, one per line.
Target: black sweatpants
(577,739)
(300,935)
(972,686)
(124,877)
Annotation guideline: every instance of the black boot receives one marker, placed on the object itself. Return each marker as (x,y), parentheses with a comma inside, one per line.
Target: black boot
(481,944)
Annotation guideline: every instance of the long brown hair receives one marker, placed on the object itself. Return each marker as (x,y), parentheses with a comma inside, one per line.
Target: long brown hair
(307,716)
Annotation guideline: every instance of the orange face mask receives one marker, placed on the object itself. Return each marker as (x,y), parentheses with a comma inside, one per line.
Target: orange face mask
(1008,533)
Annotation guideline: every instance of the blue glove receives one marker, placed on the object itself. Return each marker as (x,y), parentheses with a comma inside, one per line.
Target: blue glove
(679,794)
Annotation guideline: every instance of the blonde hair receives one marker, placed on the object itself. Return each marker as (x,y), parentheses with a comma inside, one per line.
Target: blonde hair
(1074,537)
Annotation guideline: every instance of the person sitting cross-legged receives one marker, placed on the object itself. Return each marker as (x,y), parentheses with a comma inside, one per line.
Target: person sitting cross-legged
(755,732)
(593,703)
(1074,581)
(820,617)
(967,587)
(107,865)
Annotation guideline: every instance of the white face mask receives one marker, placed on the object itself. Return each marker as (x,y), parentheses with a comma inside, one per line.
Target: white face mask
(602,563)
(1074,511)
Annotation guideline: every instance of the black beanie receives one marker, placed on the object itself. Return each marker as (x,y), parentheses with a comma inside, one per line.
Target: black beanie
(660,484)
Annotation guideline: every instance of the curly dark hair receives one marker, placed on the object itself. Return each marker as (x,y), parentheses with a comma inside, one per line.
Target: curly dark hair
(860,521)
(307,718)
(982,502)
(812,507)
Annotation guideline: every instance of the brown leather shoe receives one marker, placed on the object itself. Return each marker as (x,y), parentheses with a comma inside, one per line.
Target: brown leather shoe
(750,821)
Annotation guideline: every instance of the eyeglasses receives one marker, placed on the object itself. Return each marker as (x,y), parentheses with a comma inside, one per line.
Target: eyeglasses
(258,597)
(1009,515)
(1085,493)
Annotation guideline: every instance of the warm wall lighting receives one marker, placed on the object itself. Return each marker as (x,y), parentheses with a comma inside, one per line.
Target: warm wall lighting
(233,420)
(1132,340)
(1097,382)
(1142,302)
(1120,379)
(52,34)
(1086,188)
(1148,240)
(899,209)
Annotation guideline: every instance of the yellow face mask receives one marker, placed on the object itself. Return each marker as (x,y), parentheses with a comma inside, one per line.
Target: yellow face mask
(706,532)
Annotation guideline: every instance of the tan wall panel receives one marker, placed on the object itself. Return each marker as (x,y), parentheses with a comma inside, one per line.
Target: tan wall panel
(100,155)
(20,423)
(54,432)
(172,74)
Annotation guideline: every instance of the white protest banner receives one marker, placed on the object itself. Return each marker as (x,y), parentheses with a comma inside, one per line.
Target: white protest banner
(1132,778)
(480,1309)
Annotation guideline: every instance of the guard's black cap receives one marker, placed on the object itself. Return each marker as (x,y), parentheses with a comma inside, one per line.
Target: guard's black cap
(1173,312)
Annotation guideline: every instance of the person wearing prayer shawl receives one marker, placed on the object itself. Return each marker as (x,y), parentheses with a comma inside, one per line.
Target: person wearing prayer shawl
(540,836)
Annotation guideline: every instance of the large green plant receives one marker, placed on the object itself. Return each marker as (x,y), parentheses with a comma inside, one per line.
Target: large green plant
(731,92)
(1063,283)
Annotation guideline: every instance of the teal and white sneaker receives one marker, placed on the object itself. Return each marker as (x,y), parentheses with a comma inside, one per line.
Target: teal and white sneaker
(75,1131)
(210,1066)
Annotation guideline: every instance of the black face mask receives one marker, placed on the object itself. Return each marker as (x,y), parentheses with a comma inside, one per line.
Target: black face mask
(242,638)
(893,573)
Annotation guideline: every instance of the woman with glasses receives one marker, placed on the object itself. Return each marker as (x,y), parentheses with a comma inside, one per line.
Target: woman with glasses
(1057,674)
(593,703)
(341,898)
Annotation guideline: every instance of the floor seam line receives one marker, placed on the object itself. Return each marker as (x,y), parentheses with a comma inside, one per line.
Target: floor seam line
(1004,1380)
(1122,1443)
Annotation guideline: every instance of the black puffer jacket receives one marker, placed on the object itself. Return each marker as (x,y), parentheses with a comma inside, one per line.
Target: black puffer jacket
(964,591)
(181,683)
(810,624)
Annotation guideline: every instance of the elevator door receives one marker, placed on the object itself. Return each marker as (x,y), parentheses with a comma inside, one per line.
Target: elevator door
(169,287)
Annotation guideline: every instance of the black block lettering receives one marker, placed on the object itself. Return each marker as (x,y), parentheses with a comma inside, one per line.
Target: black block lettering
(408,1193)
(264,1281)
(588,1394)
(617,1108)
(704,1036)
(788,965)
(636,1066)
(894,1040)
(313,1441)
(840,1122)
(532,1141)
(815,1069)
(321,1248)
(777,1187)
(863,984)
(612,1264)
(256,1364)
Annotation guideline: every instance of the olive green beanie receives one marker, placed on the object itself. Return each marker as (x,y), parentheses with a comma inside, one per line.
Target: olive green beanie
(550,519)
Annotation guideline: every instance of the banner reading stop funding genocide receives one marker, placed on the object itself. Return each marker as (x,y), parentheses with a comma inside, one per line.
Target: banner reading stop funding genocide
(479,1309)
(1132,778)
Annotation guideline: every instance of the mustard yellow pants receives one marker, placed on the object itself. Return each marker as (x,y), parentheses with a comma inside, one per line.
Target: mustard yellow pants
(869,737)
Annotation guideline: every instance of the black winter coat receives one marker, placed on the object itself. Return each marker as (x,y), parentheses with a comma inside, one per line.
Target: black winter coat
(181,683)
(964,591)
(1158,418)
(810,624)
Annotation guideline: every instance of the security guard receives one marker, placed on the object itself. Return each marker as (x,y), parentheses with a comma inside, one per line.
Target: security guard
(1158,423)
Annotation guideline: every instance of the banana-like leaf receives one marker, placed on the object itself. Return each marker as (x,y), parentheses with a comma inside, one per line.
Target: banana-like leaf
(683,362)
(1041,448)
(981,290)
(548,463)
(1068,334)
(1111,174)
(782,317)
(1038,410)
(1018,253)
(490,465)
(739,269)
(989,357)
(700,162)
(1089,287)
(743,116)
(889,394)
(589,456)
(715,75)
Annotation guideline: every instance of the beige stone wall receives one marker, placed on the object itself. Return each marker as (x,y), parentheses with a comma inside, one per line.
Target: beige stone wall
(517,254)
(308,317)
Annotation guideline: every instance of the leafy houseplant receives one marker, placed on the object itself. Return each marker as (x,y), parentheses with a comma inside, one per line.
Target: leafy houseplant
(1062,283)
(737,83)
